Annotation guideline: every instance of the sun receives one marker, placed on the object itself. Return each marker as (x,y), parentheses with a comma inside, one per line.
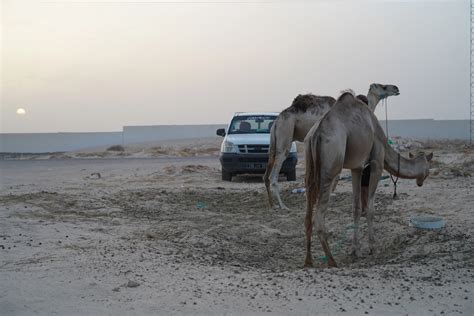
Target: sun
(20,111)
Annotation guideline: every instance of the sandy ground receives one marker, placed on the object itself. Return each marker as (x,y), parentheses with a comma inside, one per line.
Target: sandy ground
(167,236)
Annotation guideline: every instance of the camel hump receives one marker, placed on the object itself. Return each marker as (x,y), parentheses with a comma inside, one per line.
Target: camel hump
(363,98)
(347,97)
(303,102)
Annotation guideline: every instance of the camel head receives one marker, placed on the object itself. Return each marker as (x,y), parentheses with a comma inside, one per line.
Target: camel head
(424,161)
(383,91)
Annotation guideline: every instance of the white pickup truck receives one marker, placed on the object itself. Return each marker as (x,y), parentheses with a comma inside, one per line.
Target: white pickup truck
(246,145)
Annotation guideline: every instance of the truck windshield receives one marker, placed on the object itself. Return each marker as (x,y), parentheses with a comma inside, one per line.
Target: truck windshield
(259,124)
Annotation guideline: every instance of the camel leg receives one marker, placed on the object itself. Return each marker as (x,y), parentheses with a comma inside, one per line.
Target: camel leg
(274,188)
(323,201)
(375,173)
(364,191)
(266,180)
(364,196)
(281,136)
(335,182)
(356,203)
(308,229)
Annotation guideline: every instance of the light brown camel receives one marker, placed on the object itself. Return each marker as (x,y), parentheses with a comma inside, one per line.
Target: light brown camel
(350,136)
(294,123)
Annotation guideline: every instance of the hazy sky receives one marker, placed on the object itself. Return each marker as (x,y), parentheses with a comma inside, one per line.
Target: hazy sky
(100,65)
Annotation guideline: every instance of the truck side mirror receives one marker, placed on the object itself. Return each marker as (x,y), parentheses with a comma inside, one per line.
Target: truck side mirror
(221,132)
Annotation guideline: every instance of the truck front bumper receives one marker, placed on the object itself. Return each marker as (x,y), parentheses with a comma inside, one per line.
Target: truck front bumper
(253,163)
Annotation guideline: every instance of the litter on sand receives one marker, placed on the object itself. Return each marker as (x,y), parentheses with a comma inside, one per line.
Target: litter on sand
(298,190)
(427,222)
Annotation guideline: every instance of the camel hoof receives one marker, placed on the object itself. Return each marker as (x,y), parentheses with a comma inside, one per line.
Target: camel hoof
(308,265)
(275,208)
(332,264)
(355,254)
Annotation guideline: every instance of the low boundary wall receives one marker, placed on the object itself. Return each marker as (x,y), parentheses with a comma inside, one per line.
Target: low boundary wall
(60,142)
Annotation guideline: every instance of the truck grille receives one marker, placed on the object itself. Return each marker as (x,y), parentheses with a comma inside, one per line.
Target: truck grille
(253,149)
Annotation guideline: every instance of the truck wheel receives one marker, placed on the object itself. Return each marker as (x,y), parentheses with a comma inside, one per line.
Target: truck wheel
(226,176)
(291,175)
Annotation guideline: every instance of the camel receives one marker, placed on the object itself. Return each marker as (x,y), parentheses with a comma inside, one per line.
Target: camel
(293,124)
(350,136)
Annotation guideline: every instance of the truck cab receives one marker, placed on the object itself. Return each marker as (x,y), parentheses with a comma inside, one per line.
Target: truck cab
(246,144)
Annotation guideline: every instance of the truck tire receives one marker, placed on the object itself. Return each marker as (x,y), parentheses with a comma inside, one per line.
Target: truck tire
(226,176)
(291,175)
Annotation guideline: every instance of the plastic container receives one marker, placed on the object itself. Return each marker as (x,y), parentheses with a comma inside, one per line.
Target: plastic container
(298,190)
(427,222)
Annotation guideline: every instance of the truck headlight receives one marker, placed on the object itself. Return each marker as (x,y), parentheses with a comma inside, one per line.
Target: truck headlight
(228,147)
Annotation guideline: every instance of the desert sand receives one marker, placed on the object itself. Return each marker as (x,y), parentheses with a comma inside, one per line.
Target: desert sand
(152,229)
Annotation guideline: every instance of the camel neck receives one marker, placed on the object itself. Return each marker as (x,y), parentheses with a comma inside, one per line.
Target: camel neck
(408,169)
(373,101)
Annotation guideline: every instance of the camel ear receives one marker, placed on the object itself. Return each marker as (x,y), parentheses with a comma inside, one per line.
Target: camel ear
(411,155)
(429,156)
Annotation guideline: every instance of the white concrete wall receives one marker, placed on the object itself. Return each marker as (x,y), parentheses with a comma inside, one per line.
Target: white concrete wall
(140,134)
(53,142)
(428,129)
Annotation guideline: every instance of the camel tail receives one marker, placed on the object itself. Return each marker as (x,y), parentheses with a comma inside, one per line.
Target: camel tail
(313,171)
